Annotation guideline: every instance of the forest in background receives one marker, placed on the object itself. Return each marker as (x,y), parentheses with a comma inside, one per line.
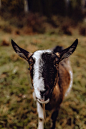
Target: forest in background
(60,17)
(70,8)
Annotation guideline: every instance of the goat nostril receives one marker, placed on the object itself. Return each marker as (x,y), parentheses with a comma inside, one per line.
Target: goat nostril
(43,92)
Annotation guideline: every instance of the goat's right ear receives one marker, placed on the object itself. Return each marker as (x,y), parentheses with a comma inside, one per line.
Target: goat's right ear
(68,51)
(21,52)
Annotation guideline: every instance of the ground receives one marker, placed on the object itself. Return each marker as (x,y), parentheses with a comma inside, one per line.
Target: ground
(17,107)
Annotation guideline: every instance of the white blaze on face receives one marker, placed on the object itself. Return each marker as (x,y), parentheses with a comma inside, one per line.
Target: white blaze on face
(38,82)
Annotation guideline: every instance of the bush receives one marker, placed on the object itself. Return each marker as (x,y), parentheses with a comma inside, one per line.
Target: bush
(35,22)
(66,29)
(13,6)
(82,30)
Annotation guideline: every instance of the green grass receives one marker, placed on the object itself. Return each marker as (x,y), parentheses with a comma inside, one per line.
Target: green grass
(17,107)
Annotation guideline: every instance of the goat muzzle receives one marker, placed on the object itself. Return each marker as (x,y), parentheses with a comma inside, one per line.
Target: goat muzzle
(43,101)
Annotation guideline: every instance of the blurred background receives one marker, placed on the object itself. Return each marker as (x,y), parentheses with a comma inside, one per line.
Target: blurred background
(34,25)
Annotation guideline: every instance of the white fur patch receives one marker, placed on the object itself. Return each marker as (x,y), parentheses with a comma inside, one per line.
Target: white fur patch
(40,111)
(40,125)
(40,115)
(71,82)
(38,83)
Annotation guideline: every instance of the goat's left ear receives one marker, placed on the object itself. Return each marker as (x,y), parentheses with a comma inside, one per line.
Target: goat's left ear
(21,52)
(68,51)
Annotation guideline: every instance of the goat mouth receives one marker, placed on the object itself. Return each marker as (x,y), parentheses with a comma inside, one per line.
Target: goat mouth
(43,101)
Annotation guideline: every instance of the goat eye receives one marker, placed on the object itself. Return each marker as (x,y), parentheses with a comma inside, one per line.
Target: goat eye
(31,63)
(56,63)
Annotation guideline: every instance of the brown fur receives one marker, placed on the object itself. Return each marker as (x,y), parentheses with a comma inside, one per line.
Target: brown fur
(61,86)
(64,76)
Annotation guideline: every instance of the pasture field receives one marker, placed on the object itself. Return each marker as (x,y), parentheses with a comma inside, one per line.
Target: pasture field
(17,107)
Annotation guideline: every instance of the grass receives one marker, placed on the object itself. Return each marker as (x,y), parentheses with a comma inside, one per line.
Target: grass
(17,107)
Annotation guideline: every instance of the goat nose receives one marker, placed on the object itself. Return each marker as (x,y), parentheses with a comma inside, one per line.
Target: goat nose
(44,94)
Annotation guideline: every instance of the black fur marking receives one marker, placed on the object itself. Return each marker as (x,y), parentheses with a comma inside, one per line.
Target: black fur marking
(40,68)
(40,119)
(49,73)
(53,118)
(31,62)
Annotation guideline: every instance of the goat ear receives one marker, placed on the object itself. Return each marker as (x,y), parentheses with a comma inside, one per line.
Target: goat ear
(21,52)
(68,51)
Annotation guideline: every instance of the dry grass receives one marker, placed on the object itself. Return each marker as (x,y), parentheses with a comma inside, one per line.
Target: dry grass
(17,107)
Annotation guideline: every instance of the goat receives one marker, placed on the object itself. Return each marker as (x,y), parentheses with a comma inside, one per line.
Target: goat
(51,77)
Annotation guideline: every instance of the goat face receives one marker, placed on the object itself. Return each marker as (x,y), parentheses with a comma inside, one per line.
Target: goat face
(43,71)
(44,66)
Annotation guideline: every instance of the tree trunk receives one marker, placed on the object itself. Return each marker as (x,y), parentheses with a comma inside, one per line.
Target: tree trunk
(67,6)
(0,4)
(26,7)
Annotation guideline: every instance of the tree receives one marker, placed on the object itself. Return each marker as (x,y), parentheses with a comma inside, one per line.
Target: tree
(0,4)
(26,6)
(58,7)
